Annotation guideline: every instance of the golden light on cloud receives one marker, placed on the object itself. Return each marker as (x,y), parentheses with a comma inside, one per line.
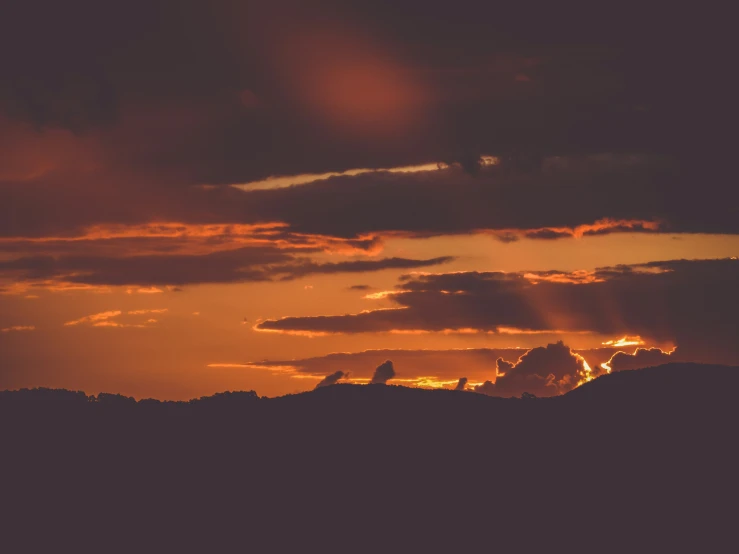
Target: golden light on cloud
(94,318)
(599,227)
(295,333)
(110,319)
(18,288)
(576,277)
(257,366)
(460,331)
(154,229)
(114,324)
(517,331)
(285,181)
(145,290)
(382,294)
(586,374)
(628,340)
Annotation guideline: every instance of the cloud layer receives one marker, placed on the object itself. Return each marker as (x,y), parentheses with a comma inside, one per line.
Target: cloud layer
(543,371)
(692,303)
(258,263)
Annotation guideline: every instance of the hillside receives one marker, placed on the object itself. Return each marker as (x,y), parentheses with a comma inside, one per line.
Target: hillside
(643,460)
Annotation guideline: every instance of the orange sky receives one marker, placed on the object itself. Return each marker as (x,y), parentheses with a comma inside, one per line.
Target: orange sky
(183,197)
(166,353)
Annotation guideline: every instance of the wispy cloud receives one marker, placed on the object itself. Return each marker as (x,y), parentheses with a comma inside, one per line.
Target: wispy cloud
(110,319)
(94,318)
(18,328)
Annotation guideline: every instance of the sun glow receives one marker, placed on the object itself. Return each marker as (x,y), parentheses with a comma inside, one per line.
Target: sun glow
(627,340)
(586,374)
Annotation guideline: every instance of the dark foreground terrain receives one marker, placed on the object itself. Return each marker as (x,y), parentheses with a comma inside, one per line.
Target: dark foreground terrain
(637,461)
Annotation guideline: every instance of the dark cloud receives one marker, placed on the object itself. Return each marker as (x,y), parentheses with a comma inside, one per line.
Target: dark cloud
(543,371)
(691,303)
(489,79)
(238,104)
(331,379)
(383,373)
(360,287)
(258,263)
(461,384)
(640,358)
(581,196)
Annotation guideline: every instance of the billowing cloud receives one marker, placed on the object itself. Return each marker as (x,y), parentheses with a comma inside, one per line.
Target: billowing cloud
(383,373)
(421,368)
(331,379)
(657,300)
(461,384)
(640,358)
(543,371)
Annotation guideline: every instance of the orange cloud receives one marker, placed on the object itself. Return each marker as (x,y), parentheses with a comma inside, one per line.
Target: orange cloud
(109,319)
(627,340)
(16,328)
(95,318)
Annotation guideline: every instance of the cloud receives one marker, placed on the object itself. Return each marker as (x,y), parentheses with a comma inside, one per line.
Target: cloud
(461,384)
(246,107)
(259,263)
(95,318)
(543,371)
(587,195)
(422,368)
(331,379)
(431,366)
(583,146)
(656,300)
(110,319)
(383,373)
(17,328)
(640,358)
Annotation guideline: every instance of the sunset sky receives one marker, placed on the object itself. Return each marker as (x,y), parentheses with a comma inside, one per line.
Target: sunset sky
(207,196)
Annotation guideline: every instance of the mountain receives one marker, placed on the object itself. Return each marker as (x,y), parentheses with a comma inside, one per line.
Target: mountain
(640,460)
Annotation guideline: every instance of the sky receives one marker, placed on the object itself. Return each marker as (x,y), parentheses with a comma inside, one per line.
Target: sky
(208,196)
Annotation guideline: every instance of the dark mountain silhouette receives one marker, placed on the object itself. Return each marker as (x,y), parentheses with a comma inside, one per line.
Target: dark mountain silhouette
(638,461)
